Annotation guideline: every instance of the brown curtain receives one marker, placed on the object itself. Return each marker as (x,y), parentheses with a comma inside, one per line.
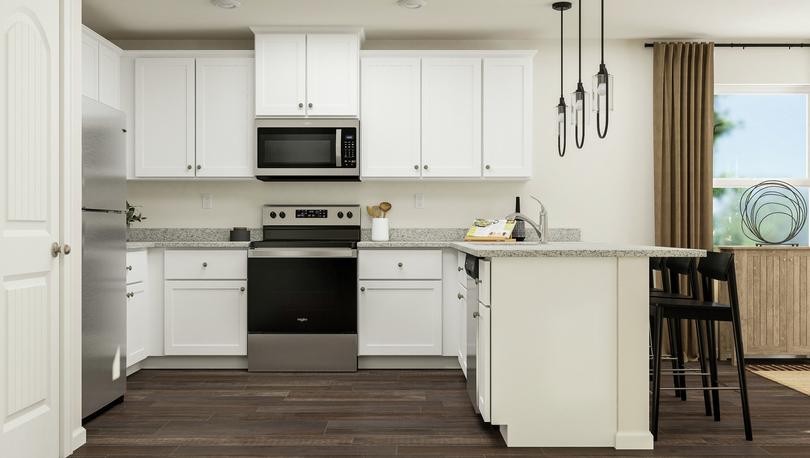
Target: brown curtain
(683,133)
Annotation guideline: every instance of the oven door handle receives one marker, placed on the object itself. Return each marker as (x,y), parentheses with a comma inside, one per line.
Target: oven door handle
(338,147)
(307,252)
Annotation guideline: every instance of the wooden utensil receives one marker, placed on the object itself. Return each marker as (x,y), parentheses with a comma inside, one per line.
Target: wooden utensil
(373,211)
(385,207)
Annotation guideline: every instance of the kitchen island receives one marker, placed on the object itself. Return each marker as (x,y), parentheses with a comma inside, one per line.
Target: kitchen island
(568,344)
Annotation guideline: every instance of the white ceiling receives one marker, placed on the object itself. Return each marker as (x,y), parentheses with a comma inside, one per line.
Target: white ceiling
(455,19)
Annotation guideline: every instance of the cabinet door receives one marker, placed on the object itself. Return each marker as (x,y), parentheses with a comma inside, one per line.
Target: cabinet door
(205,317)
(281,74)
(109,75)
(333,68)
(391,111)
(507,117)
(451,117)
(400,318)
(137,324)
(483,361)
(89,66)
(164,117)
(225,119)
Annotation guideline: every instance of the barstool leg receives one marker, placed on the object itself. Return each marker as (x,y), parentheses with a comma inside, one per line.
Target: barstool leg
(713,370)
(679,356)
(738,347)
(673,353)
(659,328)
(703,369)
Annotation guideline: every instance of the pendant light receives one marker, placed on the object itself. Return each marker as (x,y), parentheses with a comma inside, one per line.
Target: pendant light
(579,97)
(602,88)
(561,107)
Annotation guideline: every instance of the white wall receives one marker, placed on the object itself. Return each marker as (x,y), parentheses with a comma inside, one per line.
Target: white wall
(605,189)
(761,66)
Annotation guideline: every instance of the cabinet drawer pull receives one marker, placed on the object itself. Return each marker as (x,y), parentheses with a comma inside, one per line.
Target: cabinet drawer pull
(416,167)
(399,264)
(301,105)
(129,268)
(309,105)
(362,289)
(459,269)
(242,288)
(188,167)
(199,167)
(425,167)
(476,315)
(205,264)
(460,296)
(130,294)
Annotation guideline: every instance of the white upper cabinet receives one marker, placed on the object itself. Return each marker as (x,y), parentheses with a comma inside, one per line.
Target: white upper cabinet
(89,66)
(333,74)
(507,117)
(391,113)
(281,60)
(164,117)
(307,74)
(224,120)
(101,69)
(451,117)
(109,75)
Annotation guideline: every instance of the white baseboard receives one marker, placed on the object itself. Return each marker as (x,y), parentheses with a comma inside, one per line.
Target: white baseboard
(240,362)
(79,438)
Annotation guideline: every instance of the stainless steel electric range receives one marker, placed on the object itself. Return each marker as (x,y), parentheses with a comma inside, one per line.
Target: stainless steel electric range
(302,289)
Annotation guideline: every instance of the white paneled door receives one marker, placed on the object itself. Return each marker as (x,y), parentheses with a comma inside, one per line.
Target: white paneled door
(29,224)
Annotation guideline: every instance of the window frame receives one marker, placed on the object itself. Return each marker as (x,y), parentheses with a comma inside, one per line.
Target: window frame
(766,89)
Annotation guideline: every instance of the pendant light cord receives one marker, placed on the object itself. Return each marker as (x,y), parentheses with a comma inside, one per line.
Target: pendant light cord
(602,16)
(561,53)
(579,7)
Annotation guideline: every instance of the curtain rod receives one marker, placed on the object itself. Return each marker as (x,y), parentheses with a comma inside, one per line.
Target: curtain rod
(751,45)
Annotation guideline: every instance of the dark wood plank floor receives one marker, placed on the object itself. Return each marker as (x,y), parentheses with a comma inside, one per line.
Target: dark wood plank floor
(393,412)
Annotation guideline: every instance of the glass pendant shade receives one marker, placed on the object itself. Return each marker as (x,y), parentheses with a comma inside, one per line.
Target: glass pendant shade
(579,101)
(561,116)
(603,99)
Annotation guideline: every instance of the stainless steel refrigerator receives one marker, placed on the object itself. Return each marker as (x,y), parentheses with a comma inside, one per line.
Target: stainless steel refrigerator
(104,314)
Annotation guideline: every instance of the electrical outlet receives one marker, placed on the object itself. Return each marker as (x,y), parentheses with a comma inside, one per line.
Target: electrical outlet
(207,201)
(418,200)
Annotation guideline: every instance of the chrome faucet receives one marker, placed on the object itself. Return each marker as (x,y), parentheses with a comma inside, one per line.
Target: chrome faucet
(541,226)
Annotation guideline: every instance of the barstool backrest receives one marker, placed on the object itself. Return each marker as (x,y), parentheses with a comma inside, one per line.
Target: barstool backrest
(720,267)
(659,265)
(683,266)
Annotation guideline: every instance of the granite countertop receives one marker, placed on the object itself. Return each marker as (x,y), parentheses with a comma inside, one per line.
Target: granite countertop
(134,245)
(571,249)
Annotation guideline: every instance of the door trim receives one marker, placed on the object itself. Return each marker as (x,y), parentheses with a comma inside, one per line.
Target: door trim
(71,433)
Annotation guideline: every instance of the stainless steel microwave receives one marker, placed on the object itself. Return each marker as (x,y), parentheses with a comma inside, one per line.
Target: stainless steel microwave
(307,149)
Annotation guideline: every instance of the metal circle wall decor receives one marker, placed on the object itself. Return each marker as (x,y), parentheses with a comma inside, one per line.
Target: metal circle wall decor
(772,199)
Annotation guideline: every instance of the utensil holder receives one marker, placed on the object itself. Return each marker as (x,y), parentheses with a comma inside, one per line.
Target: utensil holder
(379,229)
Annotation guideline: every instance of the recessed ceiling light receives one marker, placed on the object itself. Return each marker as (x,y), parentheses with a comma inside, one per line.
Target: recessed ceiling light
(411,4)
(227,4)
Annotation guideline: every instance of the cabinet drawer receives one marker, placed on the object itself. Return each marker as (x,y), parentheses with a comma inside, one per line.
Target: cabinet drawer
(136,266)
(461,274)
(400,264)
(206,265)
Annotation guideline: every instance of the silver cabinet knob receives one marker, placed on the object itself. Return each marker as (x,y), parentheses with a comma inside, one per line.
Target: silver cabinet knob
(476,315)
(425,167)
(309,105)
(129,268)
(416,167)
(199,167)
(460,269)
(56,248)
(188,167)
(460,296)
(130,294)
(205,264)
(301,105)
(362,288)
(66,249)
(399,264)
(487,167)
(242,288)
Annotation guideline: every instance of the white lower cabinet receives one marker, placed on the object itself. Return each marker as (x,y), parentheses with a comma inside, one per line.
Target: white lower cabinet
(205,317)
(137,323)
(483,360)
(400,317)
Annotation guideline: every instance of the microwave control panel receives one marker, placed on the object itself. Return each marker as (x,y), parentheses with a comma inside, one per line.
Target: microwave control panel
(349,148)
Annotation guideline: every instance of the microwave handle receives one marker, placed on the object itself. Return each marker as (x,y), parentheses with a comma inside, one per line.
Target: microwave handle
(338,141)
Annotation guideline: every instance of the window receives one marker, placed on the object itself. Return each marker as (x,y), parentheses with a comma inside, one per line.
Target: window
(761,133)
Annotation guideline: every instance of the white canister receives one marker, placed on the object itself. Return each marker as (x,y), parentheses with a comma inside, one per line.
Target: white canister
(379,229)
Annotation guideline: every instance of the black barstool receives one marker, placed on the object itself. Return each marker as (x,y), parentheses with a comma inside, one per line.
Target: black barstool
(714,267)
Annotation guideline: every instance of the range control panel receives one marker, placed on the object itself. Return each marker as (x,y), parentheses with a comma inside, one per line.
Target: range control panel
(311,215)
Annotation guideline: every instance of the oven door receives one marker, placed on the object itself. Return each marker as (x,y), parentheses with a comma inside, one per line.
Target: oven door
(302,290)
(288,149)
